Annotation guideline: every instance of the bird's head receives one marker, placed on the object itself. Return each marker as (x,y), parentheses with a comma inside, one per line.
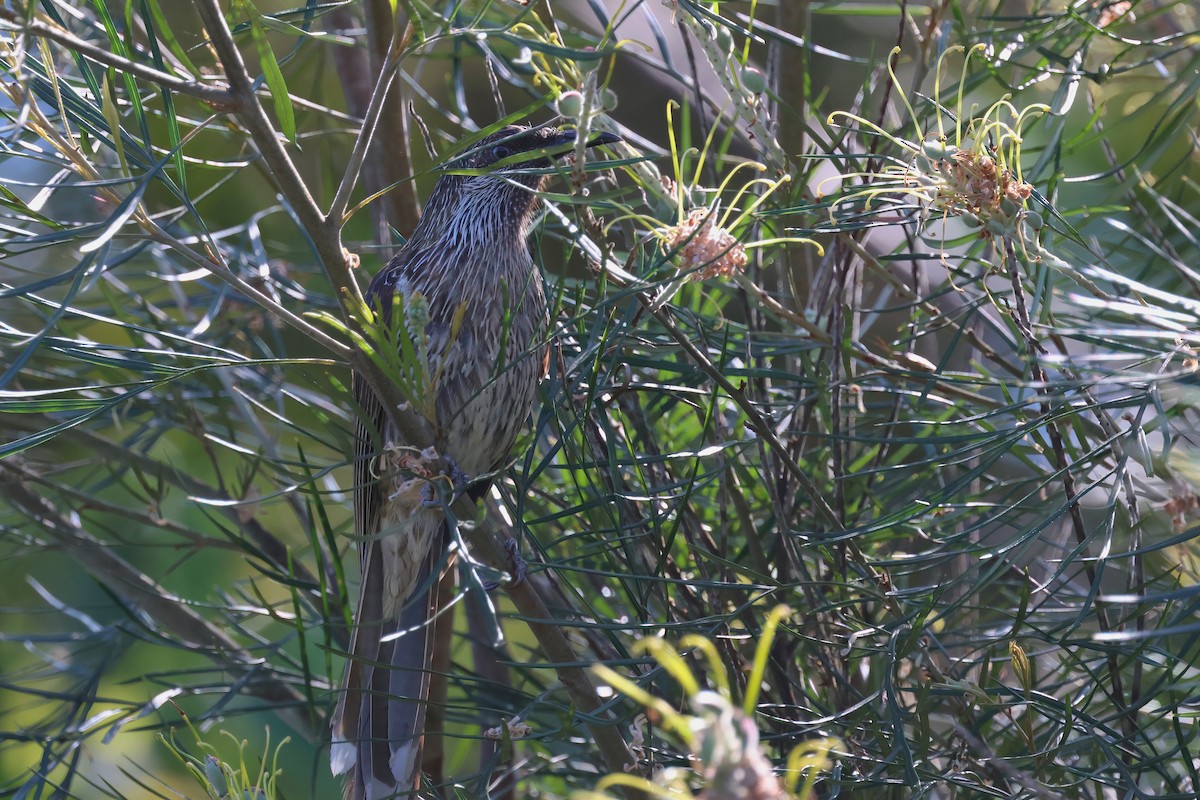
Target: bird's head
(494,184)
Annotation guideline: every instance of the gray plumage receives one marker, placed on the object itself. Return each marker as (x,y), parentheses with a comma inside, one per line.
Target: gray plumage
(486,328)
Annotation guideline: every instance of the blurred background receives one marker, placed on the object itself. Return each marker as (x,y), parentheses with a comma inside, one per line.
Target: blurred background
(936,427)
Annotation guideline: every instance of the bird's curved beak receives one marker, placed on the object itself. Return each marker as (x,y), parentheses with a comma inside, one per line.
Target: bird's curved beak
(601,137)
(604,137)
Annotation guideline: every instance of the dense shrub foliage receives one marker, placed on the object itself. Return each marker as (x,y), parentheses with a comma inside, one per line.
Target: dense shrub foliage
(901,339)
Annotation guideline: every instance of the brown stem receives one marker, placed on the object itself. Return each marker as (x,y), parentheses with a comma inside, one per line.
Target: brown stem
(391,159)
(254,117)
(1063,465)
(491,667)
(353,66)
(213,95)
(433,755)
(376,109)
(168,611)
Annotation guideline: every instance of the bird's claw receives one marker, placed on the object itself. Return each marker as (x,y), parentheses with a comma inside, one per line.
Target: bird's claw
(454,472)
(460,478)
(520,567)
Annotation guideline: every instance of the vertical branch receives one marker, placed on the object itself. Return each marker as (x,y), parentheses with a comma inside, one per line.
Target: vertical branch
(353,65)
(326,237)
(791,76)
(254,116)
(1063,464)
(390,158)
(172,614)
(376,108)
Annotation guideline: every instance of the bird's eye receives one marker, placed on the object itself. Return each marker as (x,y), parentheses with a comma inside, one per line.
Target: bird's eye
(501,151)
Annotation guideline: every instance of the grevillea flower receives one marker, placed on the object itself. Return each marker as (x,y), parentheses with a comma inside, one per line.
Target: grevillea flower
(705,250)
(972,173)
(719,735)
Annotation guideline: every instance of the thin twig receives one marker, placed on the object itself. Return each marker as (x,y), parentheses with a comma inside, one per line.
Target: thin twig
(258,125)
(387,75)
(249,291)
(391,159)
(171,612)
(213,95)
(1064,467)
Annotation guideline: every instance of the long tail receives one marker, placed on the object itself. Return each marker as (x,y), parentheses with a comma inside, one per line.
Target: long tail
(379,723)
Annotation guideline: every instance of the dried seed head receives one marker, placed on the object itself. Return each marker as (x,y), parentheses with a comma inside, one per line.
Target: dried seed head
(970,184)
(705,247)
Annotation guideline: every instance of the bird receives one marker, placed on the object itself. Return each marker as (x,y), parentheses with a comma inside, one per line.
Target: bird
(485,317)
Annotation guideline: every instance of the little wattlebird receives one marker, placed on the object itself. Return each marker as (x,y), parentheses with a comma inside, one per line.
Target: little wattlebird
(487,318)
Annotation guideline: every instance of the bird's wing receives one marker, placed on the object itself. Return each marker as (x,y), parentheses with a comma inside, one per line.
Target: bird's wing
(379,721)
(368,444)
(364,643)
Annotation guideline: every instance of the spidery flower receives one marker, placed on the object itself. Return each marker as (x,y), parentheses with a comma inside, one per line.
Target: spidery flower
(972,173)
(705,250)
(719,735)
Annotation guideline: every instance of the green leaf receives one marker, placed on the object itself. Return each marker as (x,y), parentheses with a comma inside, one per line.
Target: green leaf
(108,105)
(9,200)
(273,75)
(161,31)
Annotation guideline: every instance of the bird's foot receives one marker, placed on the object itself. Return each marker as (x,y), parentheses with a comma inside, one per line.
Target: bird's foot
(458,479)
(519,566)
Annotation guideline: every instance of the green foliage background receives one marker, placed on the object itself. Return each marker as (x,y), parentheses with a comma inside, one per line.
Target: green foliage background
(966,462)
